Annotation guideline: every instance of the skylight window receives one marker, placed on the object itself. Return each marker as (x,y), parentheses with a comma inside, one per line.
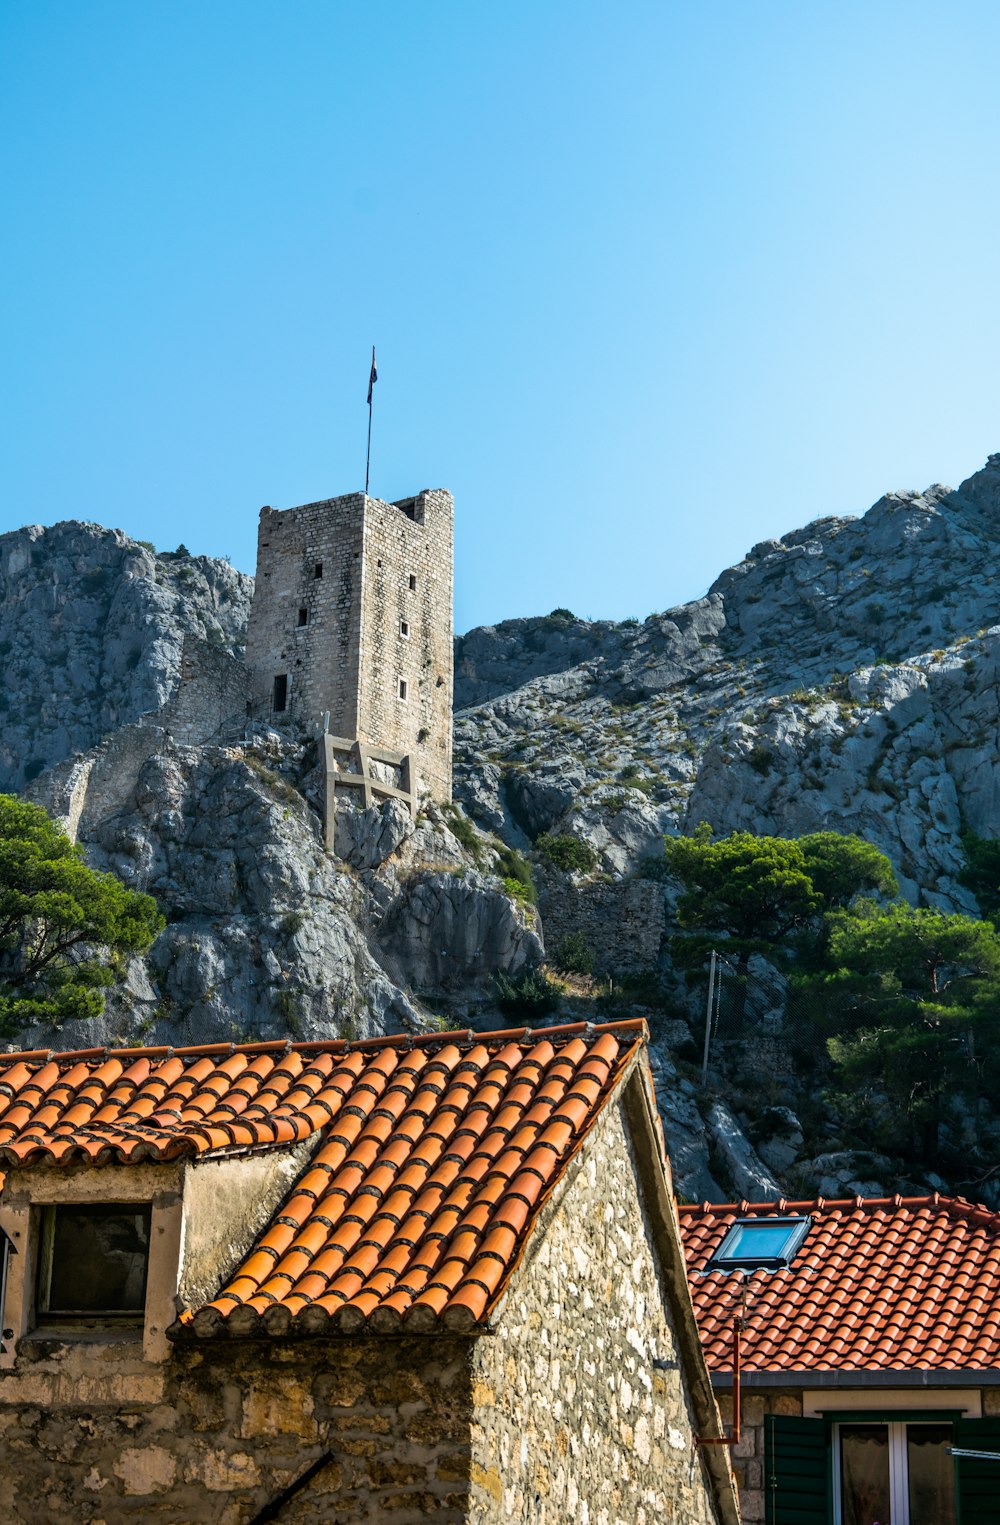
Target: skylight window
(760,1243)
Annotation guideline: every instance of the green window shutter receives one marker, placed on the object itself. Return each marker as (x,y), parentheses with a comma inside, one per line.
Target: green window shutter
(796,1470)
(978,1481)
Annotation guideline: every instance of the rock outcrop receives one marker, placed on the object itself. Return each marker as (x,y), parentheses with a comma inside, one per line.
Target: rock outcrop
(267,933)
(91,630)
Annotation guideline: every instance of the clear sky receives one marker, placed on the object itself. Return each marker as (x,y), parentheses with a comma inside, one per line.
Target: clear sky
(649,281)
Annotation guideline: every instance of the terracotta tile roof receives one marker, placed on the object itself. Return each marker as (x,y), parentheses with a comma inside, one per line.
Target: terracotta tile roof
(888,1283)
(433,1156)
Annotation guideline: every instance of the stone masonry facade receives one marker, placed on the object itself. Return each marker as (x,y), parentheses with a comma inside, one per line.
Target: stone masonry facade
(214,1433)
(210,700)
(352,616)
(573,1406)
(581,1411)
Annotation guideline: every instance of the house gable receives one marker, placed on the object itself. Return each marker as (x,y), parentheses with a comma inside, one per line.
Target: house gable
(587,1392)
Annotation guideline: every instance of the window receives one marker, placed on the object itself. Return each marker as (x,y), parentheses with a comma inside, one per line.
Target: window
(318,569)
(413,583)
(899,1471)
(404,630)
(92,1261)
(755,1243)
(303,617)
(402,688)
(280,699)
(890,1467)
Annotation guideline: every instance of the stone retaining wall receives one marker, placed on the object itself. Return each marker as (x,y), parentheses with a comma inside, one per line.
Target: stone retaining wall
(622,922)
(210,700)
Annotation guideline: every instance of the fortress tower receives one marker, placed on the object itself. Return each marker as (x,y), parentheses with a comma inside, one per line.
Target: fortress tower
(352,616)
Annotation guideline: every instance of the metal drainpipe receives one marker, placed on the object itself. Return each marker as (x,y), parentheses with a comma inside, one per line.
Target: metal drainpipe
(273,1508)
(733,1438)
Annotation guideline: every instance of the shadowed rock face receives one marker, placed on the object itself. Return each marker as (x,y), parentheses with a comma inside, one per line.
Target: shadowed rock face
(91,628)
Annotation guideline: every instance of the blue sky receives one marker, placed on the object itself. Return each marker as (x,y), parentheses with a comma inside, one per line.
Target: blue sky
(649,282)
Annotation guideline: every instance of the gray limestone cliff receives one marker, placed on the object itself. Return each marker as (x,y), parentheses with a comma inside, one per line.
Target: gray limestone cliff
(844,676)
(91,630)
(124,717)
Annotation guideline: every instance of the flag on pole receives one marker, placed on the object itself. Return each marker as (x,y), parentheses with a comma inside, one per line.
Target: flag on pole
(373,377)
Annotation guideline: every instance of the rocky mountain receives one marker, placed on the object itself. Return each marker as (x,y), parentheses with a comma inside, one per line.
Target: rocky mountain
(842,677)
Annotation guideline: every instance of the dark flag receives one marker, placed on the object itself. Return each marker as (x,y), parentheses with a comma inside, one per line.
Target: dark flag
(372,378)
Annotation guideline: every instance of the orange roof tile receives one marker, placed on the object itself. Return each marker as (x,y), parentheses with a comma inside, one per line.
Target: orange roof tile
(886,1283)
(432,1159)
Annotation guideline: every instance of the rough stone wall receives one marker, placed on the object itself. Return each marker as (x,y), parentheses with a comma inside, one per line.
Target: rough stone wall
(84,792)
(210,700)
(398,549)
(320,658)
(216,1432)
(623,921)
(581,1409)
(366,630)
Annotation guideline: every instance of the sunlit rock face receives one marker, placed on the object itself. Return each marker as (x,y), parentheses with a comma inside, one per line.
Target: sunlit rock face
(91,629)
(842,677)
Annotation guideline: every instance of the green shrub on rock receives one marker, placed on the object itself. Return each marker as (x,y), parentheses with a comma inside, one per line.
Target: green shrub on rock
(515,871)
(567,853)
(527,995)
(573,955)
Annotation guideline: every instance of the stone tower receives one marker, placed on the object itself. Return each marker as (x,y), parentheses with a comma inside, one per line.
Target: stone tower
(352,615)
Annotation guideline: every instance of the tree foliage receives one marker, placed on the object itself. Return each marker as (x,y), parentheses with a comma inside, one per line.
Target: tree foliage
(528,995)
(760,891)
(63,926)
(981,872)
(906,1000)
(911,1001)
(573,954)
(566,852)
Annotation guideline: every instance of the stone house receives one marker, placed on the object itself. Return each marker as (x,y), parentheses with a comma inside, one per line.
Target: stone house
(870,1355)
(414,1278)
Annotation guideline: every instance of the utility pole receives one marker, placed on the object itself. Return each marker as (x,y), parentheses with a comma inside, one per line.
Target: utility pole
(708,1018)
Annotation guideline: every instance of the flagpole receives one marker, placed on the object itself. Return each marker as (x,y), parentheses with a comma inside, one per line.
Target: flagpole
(368,457)
(372,378)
